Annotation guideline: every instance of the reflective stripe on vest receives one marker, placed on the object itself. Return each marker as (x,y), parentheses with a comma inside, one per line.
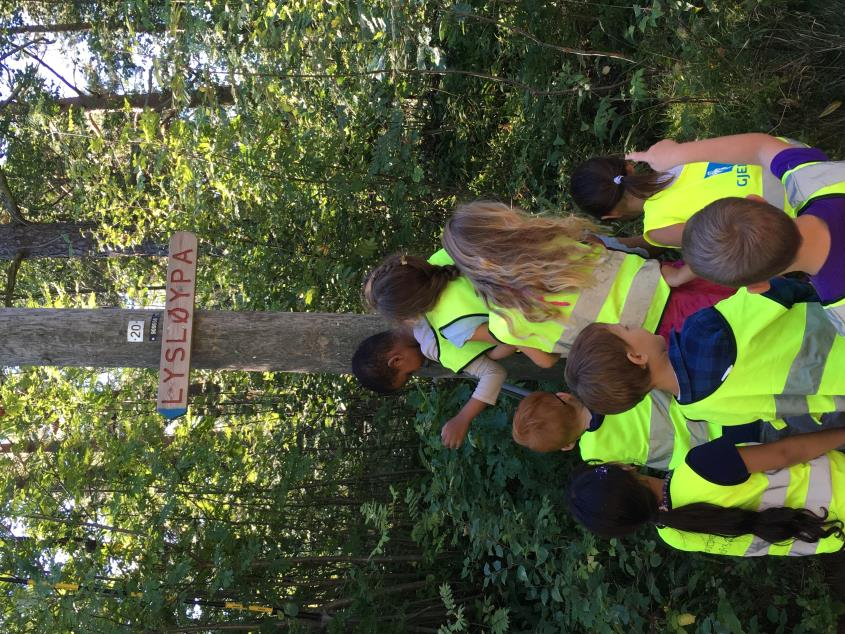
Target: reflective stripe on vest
(773,497)
(819,500)
(773,191)
(638,304)
(835,313)
(661,436)
(591,299)
(699,432)
(812,180)
(805,373)
(788,363)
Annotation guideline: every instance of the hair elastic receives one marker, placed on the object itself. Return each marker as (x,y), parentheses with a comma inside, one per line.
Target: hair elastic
(618,179)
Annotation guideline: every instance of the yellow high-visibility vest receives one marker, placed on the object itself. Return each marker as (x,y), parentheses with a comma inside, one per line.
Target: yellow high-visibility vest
(700,184)
(627,289)
(814,485)
(653,433)
(456,301)
(789,362)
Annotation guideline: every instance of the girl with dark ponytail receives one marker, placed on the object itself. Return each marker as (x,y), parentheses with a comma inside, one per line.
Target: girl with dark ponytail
(608,188)
(780,498)
(404,287)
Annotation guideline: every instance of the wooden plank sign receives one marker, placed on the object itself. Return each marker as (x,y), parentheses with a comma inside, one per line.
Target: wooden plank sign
(175,362)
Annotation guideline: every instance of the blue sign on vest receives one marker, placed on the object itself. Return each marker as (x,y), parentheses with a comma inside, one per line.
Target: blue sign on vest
(713,169)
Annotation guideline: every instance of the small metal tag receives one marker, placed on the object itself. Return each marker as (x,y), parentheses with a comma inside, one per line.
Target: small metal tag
(154,321)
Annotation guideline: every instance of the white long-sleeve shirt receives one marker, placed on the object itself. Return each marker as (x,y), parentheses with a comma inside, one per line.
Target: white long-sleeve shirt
(490,374)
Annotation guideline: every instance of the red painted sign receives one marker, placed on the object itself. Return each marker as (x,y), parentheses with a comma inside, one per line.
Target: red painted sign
(175,364)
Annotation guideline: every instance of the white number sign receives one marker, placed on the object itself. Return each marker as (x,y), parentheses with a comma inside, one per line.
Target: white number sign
(135,332)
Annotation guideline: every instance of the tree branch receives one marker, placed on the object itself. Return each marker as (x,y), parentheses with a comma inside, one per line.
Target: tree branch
(21,47)
(529,36)
(9,201)
(12,277)
(14,95)
(49,28)
(52,70)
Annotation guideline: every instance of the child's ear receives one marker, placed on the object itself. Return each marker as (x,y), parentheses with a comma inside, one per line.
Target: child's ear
(612,216)
(638,358)
(394,360)
(569,447)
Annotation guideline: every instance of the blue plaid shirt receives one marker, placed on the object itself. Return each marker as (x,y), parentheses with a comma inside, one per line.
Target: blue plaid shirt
(705,348)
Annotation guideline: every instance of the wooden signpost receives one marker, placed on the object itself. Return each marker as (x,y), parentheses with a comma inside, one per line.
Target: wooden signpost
(176,333)
(250,341)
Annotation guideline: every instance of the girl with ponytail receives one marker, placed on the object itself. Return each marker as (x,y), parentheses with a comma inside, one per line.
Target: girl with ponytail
(405,287)
(781,498)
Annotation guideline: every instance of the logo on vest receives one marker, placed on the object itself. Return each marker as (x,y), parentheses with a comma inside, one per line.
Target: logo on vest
(714,169)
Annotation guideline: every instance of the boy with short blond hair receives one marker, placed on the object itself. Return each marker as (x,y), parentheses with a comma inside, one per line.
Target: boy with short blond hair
(653,433)
(546,422)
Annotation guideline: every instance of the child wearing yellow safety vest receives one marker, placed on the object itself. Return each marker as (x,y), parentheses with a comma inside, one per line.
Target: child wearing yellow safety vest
(745,242)
(653,433)
(440,317)
(767,356)
(781,498)
(609,188)
(544,285)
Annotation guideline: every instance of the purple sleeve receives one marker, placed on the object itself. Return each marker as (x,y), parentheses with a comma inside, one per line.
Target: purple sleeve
(719,462)
(829,282)
(791,158)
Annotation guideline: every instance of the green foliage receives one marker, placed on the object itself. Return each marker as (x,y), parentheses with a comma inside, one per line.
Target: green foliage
(304,140)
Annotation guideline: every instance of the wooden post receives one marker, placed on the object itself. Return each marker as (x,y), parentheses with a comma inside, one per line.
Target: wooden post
(253,341)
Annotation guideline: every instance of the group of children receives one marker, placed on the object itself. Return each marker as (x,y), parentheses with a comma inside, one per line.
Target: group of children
(735,394)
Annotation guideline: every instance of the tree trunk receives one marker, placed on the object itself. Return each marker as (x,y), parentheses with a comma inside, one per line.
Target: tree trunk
(71,27)
(63,240)
(153,100)
(252,341)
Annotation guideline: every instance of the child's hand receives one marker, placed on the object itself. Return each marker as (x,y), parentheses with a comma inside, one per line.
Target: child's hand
(660,156)
(676,275)
(453,433)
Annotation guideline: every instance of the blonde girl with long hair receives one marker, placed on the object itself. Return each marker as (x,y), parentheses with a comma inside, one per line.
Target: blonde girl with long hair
(543,282)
